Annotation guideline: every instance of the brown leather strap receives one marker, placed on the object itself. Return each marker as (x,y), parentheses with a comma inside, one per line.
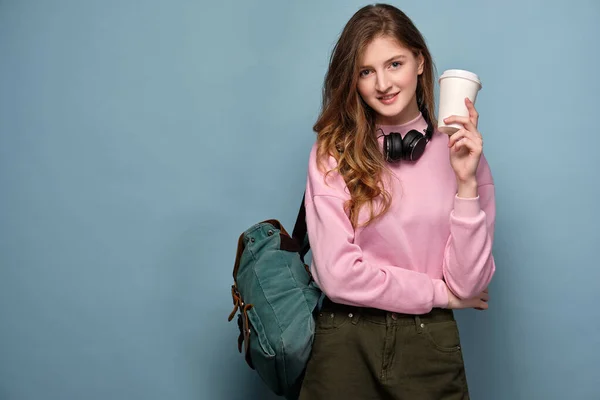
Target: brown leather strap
(243,324)
(237,301)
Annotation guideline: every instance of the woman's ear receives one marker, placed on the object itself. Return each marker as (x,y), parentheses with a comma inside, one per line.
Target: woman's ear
(420,63)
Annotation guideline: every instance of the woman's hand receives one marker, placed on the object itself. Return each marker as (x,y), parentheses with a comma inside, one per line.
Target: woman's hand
(479,302)
(466,146)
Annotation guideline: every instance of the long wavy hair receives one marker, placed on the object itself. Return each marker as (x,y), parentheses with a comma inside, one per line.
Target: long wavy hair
(346,125)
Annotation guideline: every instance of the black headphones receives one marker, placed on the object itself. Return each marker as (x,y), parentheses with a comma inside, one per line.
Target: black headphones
(409,148)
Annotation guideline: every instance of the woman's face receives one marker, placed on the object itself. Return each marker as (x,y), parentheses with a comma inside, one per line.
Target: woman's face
(388,80)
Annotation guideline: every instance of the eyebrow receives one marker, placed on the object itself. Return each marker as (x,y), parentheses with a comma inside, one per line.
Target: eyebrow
(399,56)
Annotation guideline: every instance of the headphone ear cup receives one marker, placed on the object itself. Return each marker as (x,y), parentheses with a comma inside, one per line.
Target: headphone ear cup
(386,147)
(392,146)
(413,146)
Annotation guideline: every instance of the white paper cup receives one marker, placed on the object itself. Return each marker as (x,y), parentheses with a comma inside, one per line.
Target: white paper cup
(455,85)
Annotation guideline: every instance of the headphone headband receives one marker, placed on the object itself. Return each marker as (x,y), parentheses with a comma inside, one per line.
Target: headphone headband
(429,130)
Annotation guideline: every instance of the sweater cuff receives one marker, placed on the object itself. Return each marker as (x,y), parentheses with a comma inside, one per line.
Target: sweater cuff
(466,207)
(440,294)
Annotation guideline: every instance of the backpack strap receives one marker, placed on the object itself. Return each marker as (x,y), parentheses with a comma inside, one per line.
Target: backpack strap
(299,234)
(300,237)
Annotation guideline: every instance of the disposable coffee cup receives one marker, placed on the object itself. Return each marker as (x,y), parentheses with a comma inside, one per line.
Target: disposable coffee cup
(455,85)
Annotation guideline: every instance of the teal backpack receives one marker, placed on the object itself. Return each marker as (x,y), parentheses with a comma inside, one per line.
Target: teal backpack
(276,298)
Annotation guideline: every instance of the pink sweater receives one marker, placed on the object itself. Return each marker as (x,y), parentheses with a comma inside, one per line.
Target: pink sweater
(429,238)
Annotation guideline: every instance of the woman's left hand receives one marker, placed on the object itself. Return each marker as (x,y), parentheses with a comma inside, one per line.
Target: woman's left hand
(466,145)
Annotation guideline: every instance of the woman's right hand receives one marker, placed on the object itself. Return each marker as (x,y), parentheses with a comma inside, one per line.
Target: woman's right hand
(479,302)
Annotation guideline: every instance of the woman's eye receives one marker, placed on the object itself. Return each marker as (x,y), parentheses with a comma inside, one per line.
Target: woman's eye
(396,64)
(364,72)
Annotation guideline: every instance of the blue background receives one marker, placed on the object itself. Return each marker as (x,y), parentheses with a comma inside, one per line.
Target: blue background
(138,140)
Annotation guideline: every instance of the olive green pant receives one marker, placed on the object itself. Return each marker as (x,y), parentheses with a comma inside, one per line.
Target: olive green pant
(366,354)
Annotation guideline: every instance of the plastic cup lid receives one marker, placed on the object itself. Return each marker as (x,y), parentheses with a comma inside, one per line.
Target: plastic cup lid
(461,73)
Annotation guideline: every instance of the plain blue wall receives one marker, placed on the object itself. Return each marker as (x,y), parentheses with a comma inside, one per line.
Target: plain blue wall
(138,141)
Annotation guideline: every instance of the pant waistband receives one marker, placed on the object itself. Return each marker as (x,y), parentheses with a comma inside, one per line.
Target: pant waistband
(383,316)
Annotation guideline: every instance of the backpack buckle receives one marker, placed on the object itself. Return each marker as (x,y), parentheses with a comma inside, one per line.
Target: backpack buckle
(243,323)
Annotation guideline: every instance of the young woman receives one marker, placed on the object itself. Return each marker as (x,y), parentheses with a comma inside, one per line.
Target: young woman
(401,225)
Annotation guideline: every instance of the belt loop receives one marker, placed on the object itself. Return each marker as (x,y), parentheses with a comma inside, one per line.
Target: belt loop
(418,324)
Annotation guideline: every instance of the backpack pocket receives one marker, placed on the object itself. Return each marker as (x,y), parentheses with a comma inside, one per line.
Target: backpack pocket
(262,354)
(259,332)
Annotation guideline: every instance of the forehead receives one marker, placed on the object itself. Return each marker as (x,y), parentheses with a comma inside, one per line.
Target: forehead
(381,49)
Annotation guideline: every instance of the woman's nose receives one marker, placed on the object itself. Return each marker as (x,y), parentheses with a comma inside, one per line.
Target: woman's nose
(382,83)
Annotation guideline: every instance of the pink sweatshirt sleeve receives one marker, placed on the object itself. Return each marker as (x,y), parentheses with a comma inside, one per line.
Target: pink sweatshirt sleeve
(468,264)
(346,277)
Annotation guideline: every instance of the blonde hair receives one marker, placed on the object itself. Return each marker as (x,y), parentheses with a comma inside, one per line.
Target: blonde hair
(346,125)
